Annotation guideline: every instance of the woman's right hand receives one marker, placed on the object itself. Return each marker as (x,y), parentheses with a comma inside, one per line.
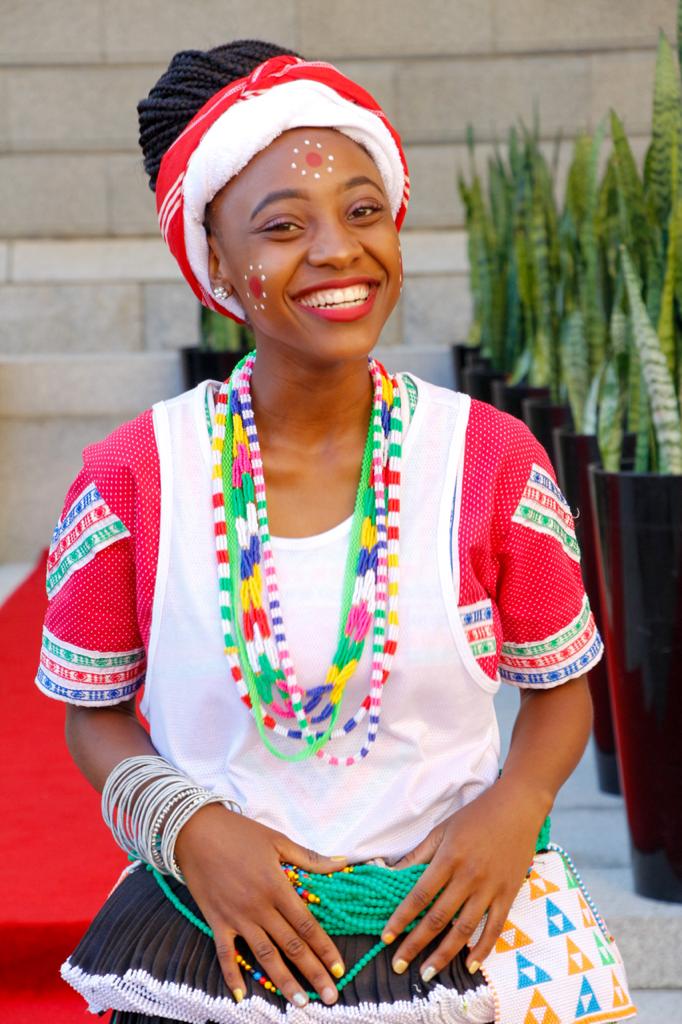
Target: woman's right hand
(232,868)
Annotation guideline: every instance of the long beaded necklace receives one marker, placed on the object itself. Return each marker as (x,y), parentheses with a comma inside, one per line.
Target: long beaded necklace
(260,663)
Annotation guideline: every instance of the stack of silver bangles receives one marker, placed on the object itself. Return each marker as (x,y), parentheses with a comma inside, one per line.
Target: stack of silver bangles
(145,803)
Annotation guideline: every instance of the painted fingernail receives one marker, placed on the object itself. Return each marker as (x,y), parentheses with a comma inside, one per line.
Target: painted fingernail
(400,966)
(328,995)
(238,994)
(337,969)
(299,999)
(474,966)
(428,973)
(388,938)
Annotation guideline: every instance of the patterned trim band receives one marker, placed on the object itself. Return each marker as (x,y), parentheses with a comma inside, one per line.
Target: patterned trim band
(477,622)
(565,654)
(544,509)
(88,527)
(80,676)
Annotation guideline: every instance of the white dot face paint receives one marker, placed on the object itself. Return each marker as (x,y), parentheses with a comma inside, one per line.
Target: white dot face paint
(255,286)
(313,161)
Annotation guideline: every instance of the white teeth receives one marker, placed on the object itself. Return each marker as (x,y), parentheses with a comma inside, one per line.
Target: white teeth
(353,296)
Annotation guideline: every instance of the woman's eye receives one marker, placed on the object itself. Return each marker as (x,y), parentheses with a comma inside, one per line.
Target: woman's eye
(366,209)
(281,225)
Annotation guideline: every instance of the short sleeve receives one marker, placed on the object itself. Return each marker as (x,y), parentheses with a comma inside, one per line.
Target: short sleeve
(549,635)
(92,652)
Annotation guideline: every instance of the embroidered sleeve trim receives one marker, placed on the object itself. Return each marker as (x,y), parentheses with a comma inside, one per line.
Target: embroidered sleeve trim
(477,622)
(80,676)
(543,508)
(567,653)
(85,529)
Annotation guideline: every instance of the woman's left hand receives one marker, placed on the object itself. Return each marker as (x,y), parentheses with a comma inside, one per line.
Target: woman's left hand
(478,859)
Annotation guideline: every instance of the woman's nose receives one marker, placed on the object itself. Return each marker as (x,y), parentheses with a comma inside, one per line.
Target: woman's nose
(334,244)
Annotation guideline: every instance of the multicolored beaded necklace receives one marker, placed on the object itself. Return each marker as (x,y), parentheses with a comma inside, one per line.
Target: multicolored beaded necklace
(257,648)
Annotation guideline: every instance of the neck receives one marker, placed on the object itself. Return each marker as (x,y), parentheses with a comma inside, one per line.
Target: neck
(310,404)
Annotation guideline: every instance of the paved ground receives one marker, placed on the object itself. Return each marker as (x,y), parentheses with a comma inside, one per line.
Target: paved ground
(592,827)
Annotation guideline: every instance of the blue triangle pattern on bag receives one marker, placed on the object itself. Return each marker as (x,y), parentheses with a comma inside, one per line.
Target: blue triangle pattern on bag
(587,1001)
(557,922)
(529,973)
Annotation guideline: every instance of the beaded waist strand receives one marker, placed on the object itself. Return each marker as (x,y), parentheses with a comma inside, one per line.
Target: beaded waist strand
(354,901)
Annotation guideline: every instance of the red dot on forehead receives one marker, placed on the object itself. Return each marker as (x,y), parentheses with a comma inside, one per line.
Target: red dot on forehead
(313,159)
(255,287)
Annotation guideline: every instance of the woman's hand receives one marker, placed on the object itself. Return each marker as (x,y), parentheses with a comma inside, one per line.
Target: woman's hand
(478,857)
(232,868)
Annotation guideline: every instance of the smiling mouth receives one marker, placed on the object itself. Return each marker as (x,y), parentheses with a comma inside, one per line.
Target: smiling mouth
(338,298)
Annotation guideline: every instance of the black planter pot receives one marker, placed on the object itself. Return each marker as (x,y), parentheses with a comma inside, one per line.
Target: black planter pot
(574,453)
(477,380)
(508,397)
(542,416)
(201,364)
(638,520)
(464,355)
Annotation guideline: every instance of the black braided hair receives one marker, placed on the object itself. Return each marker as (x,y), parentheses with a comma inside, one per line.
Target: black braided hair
(193,76)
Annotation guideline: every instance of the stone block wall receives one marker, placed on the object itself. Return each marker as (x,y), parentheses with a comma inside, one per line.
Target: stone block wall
(87,288)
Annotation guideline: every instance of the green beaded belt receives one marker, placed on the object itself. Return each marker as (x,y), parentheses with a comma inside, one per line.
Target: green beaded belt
(357,900)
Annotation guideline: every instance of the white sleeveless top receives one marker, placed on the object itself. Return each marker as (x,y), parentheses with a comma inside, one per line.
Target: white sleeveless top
(438,741)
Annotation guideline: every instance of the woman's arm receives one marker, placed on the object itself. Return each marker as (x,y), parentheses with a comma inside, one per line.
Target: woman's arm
(231,864)
(99,738)
(480,855)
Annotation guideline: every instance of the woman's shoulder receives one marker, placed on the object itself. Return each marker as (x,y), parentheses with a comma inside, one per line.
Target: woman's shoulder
(128,447)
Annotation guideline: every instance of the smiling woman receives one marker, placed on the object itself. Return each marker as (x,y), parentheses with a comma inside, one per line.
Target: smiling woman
(317,804)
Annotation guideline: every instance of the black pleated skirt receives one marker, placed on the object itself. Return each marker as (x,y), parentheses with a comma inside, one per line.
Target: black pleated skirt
(148,963)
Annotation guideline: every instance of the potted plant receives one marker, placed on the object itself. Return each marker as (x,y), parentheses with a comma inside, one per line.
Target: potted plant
(223,342)
(513,246)
(638,505)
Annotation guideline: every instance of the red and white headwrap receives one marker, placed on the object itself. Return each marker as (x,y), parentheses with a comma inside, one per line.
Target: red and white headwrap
(243,119)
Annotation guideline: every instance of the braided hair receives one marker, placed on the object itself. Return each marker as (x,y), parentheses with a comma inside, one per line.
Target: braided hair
(193,76)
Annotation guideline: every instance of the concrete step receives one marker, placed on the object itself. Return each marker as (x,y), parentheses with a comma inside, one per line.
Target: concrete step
(51,408)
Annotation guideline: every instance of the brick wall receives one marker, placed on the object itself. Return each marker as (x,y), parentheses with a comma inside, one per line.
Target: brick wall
(85,284)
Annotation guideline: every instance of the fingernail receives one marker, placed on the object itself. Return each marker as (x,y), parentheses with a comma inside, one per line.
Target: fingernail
(338,858)
(428,973)
(328,995)
(300,999)
(238,994)
(337,969)
(474,966)
(388,938)
(400,966)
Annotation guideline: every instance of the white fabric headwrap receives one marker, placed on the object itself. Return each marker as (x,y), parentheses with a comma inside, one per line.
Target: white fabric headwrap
(247,128)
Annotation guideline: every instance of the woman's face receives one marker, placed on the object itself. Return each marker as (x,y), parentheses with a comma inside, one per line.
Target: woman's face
(305,238)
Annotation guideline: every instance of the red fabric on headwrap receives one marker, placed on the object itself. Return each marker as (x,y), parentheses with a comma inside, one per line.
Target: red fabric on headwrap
(274,72)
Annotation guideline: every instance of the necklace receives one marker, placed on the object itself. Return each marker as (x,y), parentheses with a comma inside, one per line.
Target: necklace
(256,648)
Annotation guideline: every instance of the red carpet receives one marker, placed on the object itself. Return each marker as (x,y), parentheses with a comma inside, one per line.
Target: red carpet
(58,859)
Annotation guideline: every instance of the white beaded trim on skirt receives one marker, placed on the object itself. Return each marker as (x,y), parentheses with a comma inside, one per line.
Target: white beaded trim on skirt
(139,992)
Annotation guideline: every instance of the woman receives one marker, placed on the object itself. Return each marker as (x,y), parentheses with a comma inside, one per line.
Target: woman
(281,188)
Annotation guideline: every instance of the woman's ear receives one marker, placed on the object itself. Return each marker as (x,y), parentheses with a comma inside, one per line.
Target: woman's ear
(216,271)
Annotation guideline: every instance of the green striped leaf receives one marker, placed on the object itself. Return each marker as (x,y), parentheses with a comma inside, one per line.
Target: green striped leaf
(632,214)
(592,403)
(575,368)
(666,320)
(610,424)
(665,412)
(665,140)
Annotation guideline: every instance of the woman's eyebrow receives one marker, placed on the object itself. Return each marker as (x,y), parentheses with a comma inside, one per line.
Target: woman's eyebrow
(294,193)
